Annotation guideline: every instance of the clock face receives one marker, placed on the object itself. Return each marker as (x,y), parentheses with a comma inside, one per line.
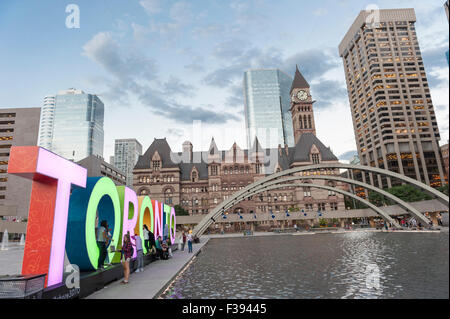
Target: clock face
(302,95)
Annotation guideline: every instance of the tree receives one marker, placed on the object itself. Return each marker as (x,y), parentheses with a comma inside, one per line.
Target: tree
(180,211)
(443,189)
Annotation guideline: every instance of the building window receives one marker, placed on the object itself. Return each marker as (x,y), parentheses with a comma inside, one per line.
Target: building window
(156,165)
(315,158)
(334,206)
(214,170)
(168,196)
(194,176)
(306,191)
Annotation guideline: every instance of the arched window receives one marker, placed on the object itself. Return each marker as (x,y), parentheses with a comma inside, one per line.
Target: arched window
(168,196)
(143,192)
(304,122)
(300,122)
(194,176)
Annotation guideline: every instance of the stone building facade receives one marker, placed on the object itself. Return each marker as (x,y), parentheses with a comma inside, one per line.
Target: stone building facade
(198,181)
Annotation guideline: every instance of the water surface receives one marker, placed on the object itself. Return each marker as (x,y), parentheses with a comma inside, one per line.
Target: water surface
(350,265)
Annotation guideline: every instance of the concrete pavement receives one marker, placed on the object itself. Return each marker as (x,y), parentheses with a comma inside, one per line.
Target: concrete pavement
(153,280)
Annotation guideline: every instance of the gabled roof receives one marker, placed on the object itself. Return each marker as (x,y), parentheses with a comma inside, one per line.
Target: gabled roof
(271,158)
(213,150)
(256,147)
(164,152)
(299,81)
(302,149)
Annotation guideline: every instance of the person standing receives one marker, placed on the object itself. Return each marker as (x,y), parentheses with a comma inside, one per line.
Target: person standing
(146,233)
(158,247)
(102,238)
(183,234)
(151,238)
(127,253)
(189,241)
(139,253)
(109,242)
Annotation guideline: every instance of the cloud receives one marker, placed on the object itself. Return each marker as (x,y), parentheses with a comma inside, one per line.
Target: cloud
(135,74)
(152,6)
(238,57)
(347,156)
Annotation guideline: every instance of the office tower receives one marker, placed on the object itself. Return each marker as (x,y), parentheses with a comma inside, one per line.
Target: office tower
(446,4)
(126,155)
(97,166)
(444,151)
(78,125)
(18,127)
(393,116)
(266,107)
(46,122)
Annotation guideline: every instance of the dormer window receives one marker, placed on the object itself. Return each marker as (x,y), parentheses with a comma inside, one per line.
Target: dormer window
(194,176)
(156,165)
(315,158)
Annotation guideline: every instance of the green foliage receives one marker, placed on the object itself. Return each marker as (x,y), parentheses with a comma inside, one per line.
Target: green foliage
(407,193)
(353,203)
(443,189)
(293,209)
(322,222)
(180,211)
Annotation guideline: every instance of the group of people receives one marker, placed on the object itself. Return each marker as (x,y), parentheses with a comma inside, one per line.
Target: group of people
(186,238)
(161,247)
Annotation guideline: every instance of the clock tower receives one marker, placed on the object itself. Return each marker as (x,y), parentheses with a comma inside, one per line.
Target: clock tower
(301,107)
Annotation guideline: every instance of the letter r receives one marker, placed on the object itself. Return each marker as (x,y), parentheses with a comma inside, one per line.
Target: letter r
(52,177)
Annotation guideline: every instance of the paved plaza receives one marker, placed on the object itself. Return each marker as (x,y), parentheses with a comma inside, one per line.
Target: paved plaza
(151,282)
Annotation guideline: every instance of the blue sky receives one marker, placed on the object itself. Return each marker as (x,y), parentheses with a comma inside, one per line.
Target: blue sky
(158,65)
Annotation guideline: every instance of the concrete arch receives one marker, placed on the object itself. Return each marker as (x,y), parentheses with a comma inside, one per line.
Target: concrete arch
(427,189)
(397,200)
(201,228)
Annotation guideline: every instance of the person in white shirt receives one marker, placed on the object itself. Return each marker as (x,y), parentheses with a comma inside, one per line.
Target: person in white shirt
(139,252)
(190,240)
(146,233)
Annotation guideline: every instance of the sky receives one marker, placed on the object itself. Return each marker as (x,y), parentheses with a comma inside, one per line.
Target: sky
(174,69)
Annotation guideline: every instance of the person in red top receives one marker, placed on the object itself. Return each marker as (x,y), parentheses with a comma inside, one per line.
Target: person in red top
(126,254)
(184,240)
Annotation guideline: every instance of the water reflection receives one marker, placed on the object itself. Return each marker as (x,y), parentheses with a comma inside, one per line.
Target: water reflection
(350,265)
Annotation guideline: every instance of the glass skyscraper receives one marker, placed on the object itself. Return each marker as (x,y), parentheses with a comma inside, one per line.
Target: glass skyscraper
(77,125)
(266,107)
(46,122)
(126,155)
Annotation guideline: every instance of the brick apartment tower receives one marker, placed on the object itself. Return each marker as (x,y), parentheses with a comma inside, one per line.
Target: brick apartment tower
(393,115)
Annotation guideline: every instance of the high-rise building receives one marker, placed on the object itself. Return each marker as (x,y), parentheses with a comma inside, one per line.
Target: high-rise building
(444,151)
(199,181)
(18,127)
(446,4)
(126,155)
(266,107)
(96,166)
(393,116)
(46,122)
(77,125)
